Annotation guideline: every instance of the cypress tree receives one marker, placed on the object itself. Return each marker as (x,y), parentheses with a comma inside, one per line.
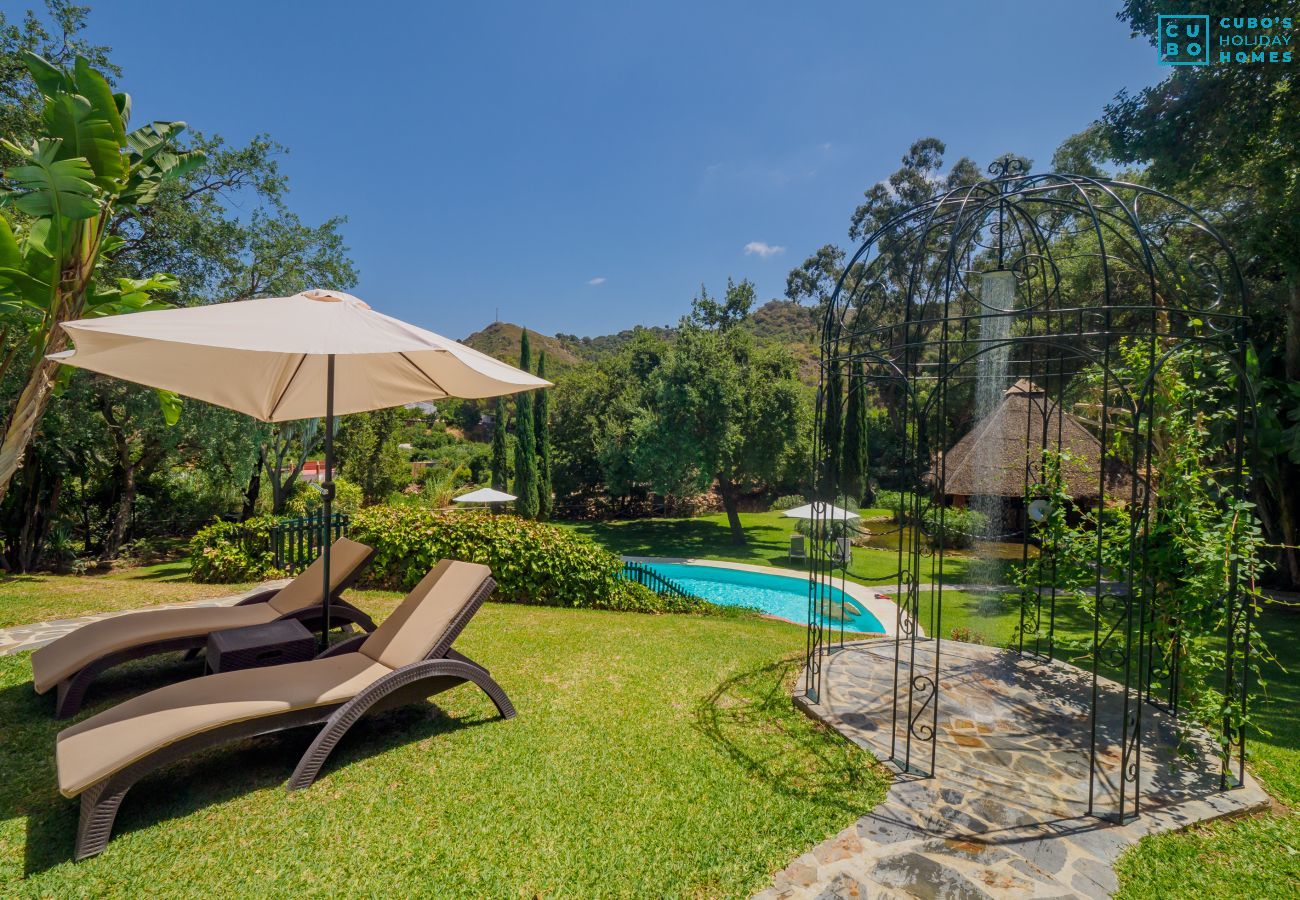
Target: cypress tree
(853,460)
(545,500)
(832,436)
(525,442)
(500,465)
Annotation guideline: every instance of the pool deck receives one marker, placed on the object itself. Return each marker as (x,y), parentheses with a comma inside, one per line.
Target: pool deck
(879,605)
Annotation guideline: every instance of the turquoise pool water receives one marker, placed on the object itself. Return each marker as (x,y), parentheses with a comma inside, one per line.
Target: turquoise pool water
(777,595)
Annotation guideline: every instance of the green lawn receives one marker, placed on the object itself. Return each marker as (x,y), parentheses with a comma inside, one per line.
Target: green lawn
(1256,857)
(38,597)
(767,542)
(652,755)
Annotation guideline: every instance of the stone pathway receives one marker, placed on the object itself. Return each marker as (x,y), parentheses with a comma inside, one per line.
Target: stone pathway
(38,634)
(1007,814)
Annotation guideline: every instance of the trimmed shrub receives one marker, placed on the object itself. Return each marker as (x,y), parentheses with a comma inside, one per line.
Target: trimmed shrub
(789,501)
(226,552)
(532,562)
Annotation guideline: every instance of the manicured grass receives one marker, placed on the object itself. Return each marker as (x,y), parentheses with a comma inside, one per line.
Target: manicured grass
(652,755)
(1256,857)
(38,597)
(767,537)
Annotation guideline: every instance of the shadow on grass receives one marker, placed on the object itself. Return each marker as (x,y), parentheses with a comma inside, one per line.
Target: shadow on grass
(172,571)
(30,786)
(752,719)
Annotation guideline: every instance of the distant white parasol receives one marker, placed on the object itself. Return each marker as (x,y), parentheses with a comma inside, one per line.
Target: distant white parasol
(485,495)
(820,509)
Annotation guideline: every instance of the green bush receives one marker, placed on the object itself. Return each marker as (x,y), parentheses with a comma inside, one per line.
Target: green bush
(789,501)
(532,562)
(893,501)
(306,498)
(226,552)
(958,528)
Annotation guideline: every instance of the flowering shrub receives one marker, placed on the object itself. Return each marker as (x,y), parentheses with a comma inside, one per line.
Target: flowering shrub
(226,552)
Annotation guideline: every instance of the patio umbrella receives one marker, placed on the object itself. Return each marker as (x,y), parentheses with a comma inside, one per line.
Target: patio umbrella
(820,509)
(484,495)
(317,353)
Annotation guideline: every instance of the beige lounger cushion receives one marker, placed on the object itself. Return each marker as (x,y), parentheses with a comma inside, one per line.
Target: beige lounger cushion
(303,591)
(110,741)
(72,652)
(415,628)
(106,743)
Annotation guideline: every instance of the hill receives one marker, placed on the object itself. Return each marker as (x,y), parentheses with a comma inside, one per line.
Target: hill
(782,321)
(501,340)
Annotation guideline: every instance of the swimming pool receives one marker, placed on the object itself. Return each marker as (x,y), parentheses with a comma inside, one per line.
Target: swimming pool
(778,595)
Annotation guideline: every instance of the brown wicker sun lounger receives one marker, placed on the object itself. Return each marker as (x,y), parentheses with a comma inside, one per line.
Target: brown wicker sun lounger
(408,658)
(72,662)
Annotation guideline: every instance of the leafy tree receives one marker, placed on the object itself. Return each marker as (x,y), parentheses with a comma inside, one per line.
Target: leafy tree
(500,465)
(735,306)
(1223,137)
(525,442)
(20,106)
(545,491)
(583,423)
(284,452)
(368,454)
(81,172)
(720,410)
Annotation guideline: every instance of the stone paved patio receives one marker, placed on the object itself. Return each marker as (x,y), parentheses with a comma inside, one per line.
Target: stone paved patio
(38,634)
(1007,814)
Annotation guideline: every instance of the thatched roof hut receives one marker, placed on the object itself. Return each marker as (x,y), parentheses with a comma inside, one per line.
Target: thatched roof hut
(991,459)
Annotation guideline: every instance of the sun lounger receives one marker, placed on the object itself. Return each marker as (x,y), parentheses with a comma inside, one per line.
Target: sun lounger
(408,658)
(72,662)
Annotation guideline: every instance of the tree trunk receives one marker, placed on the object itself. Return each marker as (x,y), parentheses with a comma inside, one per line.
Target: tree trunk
(1287,521)
(38,498)
(254,486)
(126,480)
(1288,500)
(27,412)
(730,499)
(122,514)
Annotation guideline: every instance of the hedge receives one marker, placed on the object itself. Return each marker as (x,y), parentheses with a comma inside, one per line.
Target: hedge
(532,562)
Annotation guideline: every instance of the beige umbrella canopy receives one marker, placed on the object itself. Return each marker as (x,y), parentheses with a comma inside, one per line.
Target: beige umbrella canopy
(318,353)
(269,358)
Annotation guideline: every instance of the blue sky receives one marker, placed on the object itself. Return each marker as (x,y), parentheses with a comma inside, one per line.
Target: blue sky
(583,167)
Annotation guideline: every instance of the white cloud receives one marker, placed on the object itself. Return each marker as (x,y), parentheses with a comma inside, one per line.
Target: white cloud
(762,249)
(599,279)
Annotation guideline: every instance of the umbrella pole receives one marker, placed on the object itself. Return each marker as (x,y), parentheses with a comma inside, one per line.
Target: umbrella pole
(327,498)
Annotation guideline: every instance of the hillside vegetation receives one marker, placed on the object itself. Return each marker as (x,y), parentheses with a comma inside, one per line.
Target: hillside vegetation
(784,321)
